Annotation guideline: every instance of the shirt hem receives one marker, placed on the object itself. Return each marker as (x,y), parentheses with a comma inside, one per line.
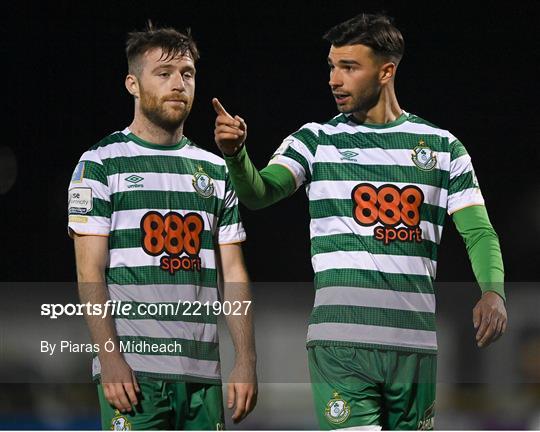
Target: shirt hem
(169,377)
(411,349)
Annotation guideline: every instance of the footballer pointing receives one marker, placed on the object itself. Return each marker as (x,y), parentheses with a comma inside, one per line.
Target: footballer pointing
(379,181)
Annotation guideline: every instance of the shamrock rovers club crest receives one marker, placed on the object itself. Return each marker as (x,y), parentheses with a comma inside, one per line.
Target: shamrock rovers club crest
(337,410)
(203,183)
(423,157)
(120,422)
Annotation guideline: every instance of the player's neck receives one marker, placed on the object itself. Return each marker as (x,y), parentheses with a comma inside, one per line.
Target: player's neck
(385,111)
(148,131)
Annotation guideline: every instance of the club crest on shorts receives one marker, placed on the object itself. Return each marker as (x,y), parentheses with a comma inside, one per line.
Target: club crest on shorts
(120,422)
(423,157)
(427,422)
(337,410)
(203,183)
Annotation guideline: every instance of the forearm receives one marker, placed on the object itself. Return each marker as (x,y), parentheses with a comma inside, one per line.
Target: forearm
(240,326)
(92,254)
(483,247)
(101,327)
(258,189)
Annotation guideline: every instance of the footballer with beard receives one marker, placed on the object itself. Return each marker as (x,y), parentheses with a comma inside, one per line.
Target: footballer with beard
(379,181)
(156,226)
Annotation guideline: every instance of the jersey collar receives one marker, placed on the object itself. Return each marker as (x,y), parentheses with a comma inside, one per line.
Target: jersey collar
(401,119)
(139,141)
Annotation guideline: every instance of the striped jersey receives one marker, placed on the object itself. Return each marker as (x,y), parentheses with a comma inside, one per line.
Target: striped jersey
(164,209)
(378,195)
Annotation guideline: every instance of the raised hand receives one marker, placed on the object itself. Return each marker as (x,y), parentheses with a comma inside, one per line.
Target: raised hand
(230,132)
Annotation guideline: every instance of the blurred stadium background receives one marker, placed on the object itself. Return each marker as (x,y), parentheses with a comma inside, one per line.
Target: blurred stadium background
(469,67)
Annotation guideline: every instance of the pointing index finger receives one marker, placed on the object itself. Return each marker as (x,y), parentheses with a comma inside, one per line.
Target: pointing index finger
(218,108)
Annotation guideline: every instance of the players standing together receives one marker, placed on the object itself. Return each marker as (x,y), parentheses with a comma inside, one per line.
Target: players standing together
(155,220)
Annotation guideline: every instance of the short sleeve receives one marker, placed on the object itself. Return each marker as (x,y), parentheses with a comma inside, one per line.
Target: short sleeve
(230,228)
(297,153)
(89,201)
(463,190)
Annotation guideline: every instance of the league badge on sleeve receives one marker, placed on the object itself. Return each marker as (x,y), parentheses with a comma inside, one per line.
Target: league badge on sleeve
(423,157)
(78,174)
(283,147)
(203,183)
(80,201)
(475,180)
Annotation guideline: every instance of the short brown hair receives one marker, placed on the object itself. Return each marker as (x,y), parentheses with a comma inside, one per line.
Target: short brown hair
(376,31)
(170,40)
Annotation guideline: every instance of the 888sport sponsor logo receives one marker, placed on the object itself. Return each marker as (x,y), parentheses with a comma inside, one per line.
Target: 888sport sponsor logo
(390,206)
(175,235)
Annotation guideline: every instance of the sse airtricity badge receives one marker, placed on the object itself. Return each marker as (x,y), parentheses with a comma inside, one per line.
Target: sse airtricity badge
(120,422)
(337,410)
(202,183)
(423,157)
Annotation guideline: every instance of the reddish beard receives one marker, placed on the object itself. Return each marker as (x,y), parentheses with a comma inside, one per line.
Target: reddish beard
(169,118)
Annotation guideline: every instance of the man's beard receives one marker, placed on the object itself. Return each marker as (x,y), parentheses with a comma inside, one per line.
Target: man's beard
(363,102)
(155,110)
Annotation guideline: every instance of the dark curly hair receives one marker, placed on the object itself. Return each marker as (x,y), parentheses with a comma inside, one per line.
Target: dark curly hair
(376,31)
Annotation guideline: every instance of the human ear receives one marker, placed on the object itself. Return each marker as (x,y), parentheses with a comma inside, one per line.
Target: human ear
(387,72)
(132,85)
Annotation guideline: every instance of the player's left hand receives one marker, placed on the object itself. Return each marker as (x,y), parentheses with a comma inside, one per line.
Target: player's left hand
(489,318)
(242,390)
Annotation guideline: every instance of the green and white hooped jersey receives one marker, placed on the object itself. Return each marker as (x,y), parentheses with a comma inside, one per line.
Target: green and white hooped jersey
(164,209)
(378,195)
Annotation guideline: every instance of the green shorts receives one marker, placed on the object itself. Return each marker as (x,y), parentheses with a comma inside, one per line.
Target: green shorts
(165,405)
(369,387)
